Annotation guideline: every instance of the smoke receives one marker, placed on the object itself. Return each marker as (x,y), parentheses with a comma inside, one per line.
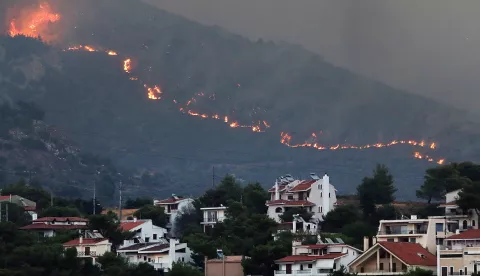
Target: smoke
(429,47)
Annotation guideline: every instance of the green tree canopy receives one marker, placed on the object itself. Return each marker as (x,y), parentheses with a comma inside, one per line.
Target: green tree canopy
(469,197)
(287,216)
(182,269)
(138,202)
(155,213)
(378,189)
(339,217)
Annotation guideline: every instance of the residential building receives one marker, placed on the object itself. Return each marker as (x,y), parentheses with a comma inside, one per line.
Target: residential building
(393,258)
(460,254)
(297,226)
(160,255)
(316,195)
(173,205)
(144,230)
(427,232)
(224,266)
(90,248)
(459,219)
(28,205)
(212,215)
(317,259)
(47,226)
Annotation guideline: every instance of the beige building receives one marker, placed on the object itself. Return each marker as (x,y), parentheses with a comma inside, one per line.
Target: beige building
(227,266)
(393,258)
(89,248)
(460,254)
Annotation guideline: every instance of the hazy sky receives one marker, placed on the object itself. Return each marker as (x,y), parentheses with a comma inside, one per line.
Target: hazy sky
(430,47)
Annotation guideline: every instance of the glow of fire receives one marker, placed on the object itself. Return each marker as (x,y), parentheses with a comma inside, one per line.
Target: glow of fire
(127,65)
(34,23)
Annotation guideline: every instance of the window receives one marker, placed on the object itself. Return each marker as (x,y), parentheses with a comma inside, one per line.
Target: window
(390,240)
(278,210)
(404,267)
(334,265)
(154,236)
(439,227)
(473,224)
(147,239)
(319,209)
(290,197)
(183,259)
(383,253)
(394,267)
(466,271)
(328,194)
(362,269)
(144,258)
(460,272)
(381,266)
(321,194)
(451,270)
(310,265)
(413,240)
(301,267)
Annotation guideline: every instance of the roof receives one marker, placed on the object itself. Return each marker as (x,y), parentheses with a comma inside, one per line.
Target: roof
(290,202)
(39,226)
(448,204)
(228,259)
(61,219)
(280,187)
(129,225)
(29,208)
(170,200)
(156,247)
(84,242)
(410,253)
(4,197)
(317,246)
(303,186)
(136,247)
(309,258)
(471,234)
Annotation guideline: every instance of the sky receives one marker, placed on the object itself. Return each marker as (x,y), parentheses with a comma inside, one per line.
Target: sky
(428,47)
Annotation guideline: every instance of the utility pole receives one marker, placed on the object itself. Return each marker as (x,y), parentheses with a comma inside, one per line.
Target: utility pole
(120,203)
(6,212)
(94,197)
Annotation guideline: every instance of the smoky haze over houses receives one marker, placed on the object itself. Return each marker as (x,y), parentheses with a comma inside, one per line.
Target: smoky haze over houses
(429,47)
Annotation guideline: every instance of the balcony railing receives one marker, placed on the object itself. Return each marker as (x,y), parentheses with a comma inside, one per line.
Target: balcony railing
(403,232)
(86,254)
(305,272)
(212,219)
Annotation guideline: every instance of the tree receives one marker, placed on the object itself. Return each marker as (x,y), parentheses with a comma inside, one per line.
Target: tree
(182,269)
(254,198)
(287,216)
(378,189)
(419,272)
(108,227)
(357,231)
(339,217)
(155,213)
(342,271)
(228,189)
(56,211)
(469,197)
(138,202)
(443,179)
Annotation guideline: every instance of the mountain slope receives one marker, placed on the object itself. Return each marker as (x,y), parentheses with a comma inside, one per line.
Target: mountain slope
(90,96)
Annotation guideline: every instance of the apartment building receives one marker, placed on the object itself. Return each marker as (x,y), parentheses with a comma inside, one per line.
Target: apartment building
(211,216)
(458,218)
(460,254)
(393,258)
(89,248)
(316,195)
(144,230)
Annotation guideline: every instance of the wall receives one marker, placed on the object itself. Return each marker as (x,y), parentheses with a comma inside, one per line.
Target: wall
(370,264)
(147,231)
(231,269)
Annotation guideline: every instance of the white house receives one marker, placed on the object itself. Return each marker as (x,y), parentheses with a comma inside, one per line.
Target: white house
(160,255)
(28,205)
(460,219)
(316,195)
(173,205)
(89,247)
(212,215)
(47,226)
(144,230)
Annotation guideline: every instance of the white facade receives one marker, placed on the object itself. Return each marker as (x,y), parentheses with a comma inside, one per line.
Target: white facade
(160,255)
(47,226)
(212,215)
(144,230)
(316,195)
(173,206)
(460,219)
(317,259)
(89,248)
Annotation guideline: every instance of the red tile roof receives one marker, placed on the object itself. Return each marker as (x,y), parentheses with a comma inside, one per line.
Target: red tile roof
(309,258)
(451,203)
(129,225)
(4,197)
(84,242)
(303,186)
(280,188)
(471,234)
(290,202)
(29,208)
(170,200)
(410,253)
(40,226)
(61,219)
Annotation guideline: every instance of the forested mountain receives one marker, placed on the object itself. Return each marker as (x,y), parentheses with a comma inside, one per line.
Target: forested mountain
(93,99)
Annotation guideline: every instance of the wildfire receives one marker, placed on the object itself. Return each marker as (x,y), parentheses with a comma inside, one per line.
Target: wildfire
(153,92)
(34,23)
(417,155)
(127,65)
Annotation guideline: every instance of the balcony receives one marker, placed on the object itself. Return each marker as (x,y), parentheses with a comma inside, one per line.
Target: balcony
(86,254)
(210,220)
(305,272)
(403,232)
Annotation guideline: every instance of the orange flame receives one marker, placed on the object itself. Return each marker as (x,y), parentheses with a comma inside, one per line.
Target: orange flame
(127,65)
(35,23)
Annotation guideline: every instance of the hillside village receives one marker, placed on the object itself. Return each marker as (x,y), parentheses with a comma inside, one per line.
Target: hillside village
(296,227)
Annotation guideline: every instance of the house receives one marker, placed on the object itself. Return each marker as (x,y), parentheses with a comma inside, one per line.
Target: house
(212,215)
(224,266)
(172,206)
(48,226)
(315,195)
(160,254)
(144,230)
(427,232)
(297,226)
(28,205)
(460,219)
(393,258)
(317,259)
(460,254)
(89,248)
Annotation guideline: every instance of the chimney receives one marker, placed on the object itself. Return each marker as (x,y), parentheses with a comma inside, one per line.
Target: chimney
(413,217)
(10,198)
(326,194)
(171,251)
(277,193)
(81,240)
(134,219)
